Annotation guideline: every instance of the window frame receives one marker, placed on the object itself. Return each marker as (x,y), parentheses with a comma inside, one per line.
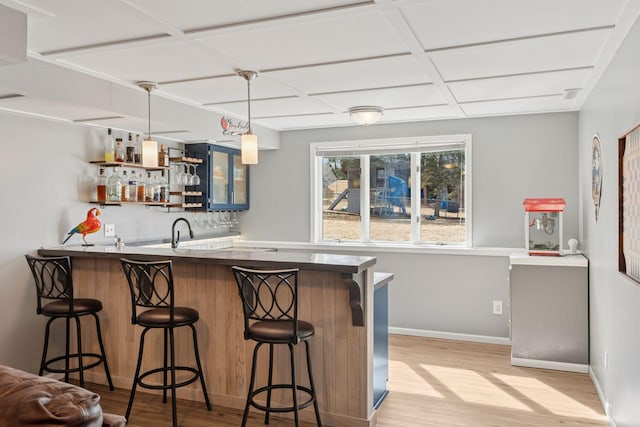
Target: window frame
(367,147)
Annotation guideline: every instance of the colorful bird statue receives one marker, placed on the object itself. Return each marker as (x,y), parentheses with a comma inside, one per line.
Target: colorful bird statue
(88,226)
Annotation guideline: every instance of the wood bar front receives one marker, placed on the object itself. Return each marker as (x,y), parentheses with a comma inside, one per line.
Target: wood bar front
(342,352)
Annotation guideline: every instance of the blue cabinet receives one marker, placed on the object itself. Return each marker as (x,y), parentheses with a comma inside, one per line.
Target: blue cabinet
(224,180)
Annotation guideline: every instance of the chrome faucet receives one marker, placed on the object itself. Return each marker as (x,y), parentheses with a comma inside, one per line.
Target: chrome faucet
(175,238)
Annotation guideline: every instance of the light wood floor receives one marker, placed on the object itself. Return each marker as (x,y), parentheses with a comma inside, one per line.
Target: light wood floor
(431,383)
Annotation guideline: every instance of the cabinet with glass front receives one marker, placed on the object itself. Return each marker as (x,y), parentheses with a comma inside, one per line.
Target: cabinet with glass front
(224,180)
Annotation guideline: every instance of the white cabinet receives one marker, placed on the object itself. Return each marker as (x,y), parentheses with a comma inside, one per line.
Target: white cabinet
(550,312)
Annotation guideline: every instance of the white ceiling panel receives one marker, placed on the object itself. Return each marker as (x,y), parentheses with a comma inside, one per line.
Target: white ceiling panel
(86,22)
(408,96)
(528,85)
(417,59)
(136,125)
(217,13)
(311,120)
(349,76)
(431,112)
(163,62)
(273,107)
(516,106)
(446,23)
(225,89)
(526,56)
(336,38)
(54,109)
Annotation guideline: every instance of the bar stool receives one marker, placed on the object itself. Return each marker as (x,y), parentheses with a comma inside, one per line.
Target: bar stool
(270,307)
(151,286)
(53,280)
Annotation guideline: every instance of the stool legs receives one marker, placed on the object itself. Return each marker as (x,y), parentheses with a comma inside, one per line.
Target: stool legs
(204,387)
(294,386)
(168,372)
(101,358)
(312,385)
(104,355)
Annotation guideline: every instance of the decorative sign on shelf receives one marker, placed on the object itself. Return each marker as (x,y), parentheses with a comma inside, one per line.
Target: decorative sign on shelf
(230,128)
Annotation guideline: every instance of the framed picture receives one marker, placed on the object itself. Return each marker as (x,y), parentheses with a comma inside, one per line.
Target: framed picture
(628,202)
(596,173)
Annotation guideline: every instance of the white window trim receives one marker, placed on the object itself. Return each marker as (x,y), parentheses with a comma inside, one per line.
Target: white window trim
(410,144)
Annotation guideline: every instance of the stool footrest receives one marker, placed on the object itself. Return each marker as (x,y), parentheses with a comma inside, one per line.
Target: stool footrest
(145,374)
(264,389)
(99,360)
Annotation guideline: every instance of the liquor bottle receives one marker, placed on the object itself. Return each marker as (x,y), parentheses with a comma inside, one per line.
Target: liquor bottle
(148,189)
(129,150)
(141,187)
(124,194)
(109,147)
(114,187)
(120,152)
(156,189)
(137,151)
(133,187)
(163,157)
(164,189)
(101,186)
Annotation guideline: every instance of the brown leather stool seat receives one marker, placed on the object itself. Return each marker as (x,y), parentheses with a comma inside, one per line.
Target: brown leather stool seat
(270,307)
(53,280)
(151,289)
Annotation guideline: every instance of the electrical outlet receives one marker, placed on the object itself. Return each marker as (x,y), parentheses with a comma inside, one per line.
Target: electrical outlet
(497,308)
(109,230)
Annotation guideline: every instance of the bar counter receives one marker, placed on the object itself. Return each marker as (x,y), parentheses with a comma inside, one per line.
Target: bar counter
(335,295)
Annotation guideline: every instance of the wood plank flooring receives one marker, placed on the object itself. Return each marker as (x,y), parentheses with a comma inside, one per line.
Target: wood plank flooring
(431,383)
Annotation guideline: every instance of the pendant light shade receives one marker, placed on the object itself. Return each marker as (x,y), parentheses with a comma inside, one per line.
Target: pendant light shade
(149,146)
(248,141)
(249,149)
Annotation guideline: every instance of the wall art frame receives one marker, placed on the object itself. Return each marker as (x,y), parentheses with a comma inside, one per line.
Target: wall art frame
(628,203)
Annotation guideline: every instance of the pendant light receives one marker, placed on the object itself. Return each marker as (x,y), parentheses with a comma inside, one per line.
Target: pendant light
(149,146)
(248,141)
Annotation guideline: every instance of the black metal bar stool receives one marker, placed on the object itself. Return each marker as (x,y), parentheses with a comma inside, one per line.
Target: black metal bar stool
(270,306)
(151,286)
(53,280)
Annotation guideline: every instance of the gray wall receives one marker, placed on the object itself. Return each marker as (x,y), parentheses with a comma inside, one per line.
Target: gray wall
(513,158)
(45,177)
(611,110)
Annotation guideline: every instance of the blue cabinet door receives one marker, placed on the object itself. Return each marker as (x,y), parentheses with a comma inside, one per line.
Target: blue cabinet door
(224,180)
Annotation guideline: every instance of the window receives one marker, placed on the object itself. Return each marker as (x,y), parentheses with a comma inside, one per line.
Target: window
(364,192)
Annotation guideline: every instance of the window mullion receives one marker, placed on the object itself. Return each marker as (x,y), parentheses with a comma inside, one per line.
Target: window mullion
(415,198)
(365,192)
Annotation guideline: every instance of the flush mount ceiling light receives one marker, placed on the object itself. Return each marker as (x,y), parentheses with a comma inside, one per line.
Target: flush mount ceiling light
(366,115)
(248,141)
(149,146)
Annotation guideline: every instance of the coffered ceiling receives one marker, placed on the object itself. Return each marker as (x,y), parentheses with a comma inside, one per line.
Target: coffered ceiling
(418,59)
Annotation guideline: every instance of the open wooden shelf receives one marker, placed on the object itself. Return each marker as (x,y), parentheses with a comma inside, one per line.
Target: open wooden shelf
(128,165)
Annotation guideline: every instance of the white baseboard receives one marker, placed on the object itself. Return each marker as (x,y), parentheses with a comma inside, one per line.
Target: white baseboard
(450,336)
(603,399)
(550,364)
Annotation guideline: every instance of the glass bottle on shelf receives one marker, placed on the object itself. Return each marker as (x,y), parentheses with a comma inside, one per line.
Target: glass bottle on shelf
(114,187)
(129,150)
(109,147)
(163,156)
(156,189)
(120,151)
(141,187)
(101,187)
(148,189)
(137,151)
(124,194)
(133,187)
(164,188)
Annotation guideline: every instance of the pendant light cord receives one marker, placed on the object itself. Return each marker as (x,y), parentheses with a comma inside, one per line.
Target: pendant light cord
(249,102)
(149,111)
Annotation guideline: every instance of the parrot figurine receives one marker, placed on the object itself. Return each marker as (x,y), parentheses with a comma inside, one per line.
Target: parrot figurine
(88,226)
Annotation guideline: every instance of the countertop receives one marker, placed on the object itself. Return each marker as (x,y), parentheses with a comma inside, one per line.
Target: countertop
(256,258)
(566,260)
